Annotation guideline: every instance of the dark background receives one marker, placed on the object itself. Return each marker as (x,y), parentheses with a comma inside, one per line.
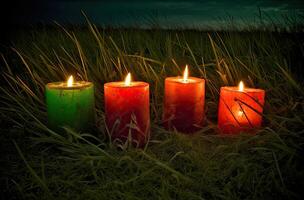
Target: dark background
(145,13)
(196,13)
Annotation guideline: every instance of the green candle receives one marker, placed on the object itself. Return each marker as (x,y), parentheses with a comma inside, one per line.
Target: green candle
(70,104)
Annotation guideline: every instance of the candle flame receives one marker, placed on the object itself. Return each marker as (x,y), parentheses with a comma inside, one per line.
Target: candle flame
(241,86)
(186,73)
(128,80)
(70,81)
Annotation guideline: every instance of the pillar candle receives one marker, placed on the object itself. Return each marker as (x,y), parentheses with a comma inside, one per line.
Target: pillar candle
(184,103)
(127,110)
(240,109)
(70,104)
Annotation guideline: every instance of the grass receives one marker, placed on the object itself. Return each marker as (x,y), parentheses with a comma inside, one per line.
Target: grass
(38,163)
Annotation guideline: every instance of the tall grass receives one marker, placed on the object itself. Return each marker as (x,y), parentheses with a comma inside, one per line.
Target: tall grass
(43,164)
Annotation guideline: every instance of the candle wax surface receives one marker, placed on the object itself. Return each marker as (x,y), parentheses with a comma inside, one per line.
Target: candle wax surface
(184,104)
(70,106)
(240,110)
(127,111)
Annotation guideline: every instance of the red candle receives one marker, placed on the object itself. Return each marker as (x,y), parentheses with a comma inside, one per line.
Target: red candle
(240,109)
(184,103)
(127,110)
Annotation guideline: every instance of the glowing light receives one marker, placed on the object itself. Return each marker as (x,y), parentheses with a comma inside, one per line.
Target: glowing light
(70,81)
(240,113)
(128,80)
(186,74)
(241,86)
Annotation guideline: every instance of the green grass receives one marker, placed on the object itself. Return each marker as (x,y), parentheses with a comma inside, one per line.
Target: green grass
(38,163)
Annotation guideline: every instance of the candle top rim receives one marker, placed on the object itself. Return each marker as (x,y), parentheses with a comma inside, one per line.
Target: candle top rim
(180,79)
(246,89)
(63,85)
(121,84)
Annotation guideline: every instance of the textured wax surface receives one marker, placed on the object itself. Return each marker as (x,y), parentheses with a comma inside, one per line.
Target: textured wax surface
(184,104)
(240,111)
(127,111)
(71,107)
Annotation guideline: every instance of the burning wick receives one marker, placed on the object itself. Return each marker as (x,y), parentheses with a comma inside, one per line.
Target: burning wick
(128,80)
(241,86)
(185,77)
(70,81)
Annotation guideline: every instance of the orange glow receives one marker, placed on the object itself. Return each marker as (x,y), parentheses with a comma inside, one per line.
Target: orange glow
(240,113)
(241,86)
(186,74)
(70,81)
(128,80)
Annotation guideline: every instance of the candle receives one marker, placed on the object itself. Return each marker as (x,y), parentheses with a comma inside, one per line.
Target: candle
(70,104)
(127,110)
(240,109)
(184,103)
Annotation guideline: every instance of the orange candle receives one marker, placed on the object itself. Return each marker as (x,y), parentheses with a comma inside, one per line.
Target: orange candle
(184,103)
(240,109)
(127,110)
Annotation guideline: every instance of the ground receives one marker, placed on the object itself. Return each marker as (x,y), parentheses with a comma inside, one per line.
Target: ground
(38,163)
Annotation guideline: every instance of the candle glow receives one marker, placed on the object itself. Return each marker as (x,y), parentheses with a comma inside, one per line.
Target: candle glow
(128,80)
(184,103)
(240,109)
(70,81)
(241,86)
(186,74)
(127,110)
(70,103)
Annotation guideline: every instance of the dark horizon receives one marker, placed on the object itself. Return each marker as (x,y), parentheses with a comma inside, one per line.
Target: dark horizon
(166,14)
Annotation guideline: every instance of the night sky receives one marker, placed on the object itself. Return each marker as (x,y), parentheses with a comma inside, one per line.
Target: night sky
(195,13)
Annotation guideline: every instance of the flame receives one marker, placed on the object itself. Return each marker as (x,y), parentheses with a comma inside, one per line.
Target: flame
(241,86)
(70,81)
(128,80)
(186,73)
